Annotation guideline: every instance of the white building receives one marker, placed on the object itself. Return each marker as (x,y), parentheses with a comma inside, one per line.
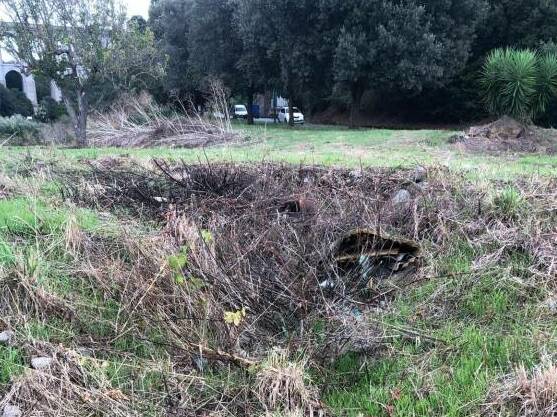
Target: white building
(13,76)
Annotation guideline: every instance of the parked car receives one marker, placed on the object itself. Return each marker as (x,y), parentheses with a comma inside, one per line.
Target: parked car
(283,115)
(239,111)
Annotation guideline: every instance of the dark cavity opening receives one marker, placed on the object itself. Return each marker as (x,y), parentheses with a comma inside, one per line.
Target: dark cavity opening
(14,81)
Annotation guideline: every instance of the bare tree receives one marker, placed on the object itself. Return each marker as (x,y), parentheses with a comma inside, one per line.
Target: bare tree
(80,44)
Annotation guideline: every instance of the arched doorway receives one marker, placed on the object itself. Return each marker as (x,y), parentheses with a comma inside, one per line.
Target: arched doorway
(14,80)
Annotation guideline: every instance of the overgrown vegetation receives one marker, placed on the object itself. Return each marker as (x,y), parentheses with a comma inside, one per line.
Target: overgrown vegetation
(166,288)
(18,130)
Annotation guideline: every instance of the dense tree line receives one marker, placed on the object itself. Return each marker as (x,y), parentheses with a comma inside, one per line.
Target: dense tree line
(416,59)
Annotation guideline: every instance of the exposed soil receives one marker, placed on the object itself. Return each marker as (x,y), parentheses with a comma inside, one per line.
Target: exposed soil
(507,135)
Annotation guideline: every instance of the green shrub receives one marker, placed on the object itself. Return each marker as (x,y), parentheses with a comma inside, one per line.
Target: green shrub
(19,129)
(50,110)
(14,102)
(519,83)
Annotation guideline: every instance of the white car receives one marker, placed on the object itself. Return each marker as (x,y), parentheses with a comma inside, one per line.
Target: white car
(283,115)
(239,111)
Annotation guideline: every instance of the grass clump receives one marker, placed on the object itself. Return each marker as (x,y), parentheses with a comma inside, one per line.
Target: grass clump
(509,203)
(7,257)
(26,216)
(282,384)
(525,393)
(11,364)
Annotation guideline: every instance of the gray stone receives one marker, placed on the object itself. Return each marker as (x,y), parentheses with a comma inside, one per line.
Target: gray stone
(41,362)
(402,197)
(6,337)
(12,411)
(551,304)
(357,174)
(422,186)
(420,174)
(83,351)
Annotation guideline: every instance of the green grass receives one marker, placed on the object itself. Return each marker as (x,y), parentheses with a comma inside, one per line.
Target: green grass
(420,381)
(476,327)
(11,364)
(483,326)
(7,257)
(335,146)
(26,216)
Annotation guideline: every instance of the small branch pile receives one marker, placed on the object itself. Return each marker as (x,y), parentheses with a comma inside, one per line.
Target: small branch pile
(139,122)
(217,264)
(264,240)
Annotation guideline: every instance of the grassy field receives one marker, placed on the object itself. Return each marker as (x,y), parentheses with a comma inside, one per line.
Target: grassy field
(481,309)
(337,146)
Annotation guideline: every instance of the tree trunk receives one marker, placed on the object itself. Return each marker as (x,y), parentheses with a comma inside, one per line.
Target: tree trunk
(250,108)
(356,93)
(83,110)
(290,92)
(78,117)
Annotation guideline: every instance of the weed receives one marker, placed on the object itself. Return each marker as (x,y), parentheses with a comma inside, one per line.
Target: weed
(177,263)
(7,257)
(509,203)
(11,364)
(53,330)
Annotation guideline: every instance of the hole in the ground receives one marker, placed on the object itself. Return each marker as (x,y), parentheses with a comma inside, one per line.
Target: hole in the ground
(365,257)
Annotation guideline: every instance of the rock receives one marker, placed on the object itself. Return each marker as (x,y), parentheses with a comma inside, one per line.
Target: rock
(83,351)
(420,174)
(12,411)
(356,174)
(402,197)
(422,186)
(6,337)
(551,304)
(41,362)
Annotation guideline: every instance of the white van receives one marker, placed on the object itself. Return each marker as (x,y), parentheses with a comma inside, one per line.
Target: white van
(283,115)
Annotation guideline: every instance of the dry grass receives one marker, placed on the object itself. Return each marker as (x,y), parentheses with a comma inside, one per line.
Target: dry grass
(263,238)
(526,394)
(198,244)
(71,386)
(282,384)
(140,122)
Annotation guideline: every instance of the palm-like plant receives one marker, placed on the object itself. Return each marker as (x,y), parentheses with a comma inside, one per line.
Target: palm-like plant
(519,83)
(547,80)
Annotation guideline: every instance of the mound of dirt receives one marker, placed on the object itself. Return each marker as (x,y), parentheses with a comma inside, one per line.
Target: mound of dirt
(507,135)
